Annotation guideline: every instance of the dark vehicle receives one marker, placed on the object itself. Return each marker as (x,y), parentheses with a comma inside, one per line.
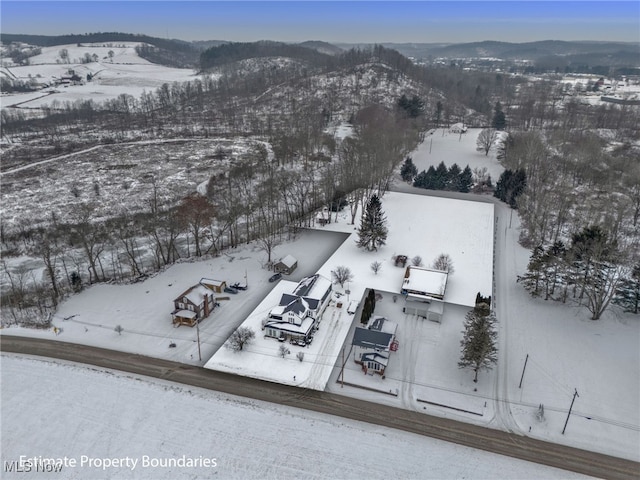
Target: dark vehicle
(275,277)
(239,286)
(230,290)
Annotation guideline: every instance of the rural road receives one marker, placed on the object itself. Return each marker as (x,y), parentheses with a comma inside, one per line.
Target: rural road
(495,441)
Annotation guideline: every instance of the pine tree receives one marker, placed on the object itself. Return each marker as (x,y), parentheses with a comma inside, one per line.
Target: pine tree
(408,170)
(441,177)
(478,343)
(453,178)
(628,293)
(373,231)
(531,280)
(499,121)
(510,186)
(466,180)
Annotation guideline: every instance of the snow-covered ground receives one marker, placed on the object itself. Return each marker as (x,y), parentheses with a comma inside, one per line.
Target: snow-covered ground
(144,309)
(432,226)
(91,414)
(444,146)
(566,350)
(125,73)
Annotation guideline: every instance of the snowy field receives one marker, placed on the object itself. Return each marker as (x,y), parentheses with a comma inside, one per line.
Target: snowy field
(445,146)
(125,73)
(106,415)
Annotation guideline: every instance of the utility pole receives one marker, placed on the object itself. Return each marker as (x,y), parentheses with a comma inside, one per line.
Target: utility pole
(198,335)
(523,369)
(568,414)
(342,371)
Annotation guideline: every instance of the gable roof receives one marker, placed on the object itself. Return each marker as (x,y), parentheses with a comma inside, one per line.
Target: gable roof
(195,294)
(315,286)
(288,261)
(298,306)
(373,339)
(210,281)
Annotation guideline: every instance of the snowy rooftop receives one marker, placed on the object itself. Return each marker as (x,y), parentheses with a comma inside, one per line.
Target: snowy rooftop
(424,281)
(196,294)
(288,261)
(314,286)
(210,281)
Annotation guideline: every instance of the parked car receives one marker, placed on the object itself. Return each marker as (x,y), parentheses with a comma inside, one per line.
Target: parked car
(230,290)
(239,286)
(275,277)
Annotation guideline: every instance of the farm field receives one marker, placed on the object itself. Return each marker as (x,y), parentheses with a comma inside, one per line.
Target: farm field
(106,415)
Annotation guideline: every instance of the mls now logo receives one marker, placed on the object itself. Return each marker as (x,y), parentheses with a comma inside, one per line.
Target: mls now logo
(26,465)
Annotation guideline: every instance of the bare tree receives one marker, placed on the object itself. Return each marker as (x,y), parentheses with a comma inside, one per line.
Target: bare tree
(197,213)
(376,266)
(416,261)
(283,351)
(342,275)
(240,338)
(486,140)
(443,262)
(119,329)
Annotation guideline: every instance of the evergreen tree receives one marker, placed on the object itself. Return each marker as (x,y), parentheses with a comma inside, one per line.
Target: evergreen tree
(420,179)
(510,186)
(628,293)
(373,231)
(531,280)
(441,177)
(553,263)
(478,343)
(408,170)
(499,121)
(466,180)
(453,178)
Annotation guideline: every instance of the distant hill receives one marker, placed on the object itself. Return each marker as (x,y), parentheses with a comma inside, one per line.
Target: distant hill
(322,47)
(593,53)
(175,53)
(236,51)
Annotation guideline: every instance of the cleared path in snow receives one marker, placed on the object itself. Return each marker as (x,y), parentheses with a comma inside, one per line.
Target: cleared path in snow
(496,441)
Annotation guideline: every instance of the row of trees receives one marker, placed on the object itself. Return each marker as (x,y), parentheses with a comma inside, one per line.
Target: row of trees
(592,270)
(440,178)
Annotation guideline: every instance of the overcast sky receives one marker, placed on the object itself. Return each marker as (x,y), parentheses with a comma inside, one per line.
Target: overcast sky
(357,21)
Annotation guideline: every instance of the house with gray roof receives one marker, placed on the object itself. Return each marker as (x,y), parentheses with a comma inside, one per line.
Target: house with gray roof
(372,345)
(298,314)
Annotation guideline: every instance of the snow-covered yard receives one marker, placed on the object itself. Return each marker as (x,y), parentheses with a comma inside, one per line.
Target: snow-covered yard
(433,225)
(107,415)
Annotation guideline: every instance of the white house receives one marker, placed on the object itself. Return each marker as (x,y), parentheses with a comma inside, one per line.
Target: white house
(425,290)
(298,314)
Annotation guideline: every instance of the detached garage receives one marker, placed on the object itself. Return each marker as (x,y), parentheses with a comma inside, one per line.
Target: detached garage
(430,310)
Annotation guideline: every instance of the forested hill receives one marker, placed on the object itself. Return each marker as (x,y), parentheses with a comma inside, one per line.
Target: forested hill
(174,53)
(99,37)
(233,52)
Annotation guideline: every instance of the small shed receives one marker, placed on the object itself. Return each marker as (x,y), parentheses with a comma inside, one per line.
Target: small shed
(217,286)
(286,265)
